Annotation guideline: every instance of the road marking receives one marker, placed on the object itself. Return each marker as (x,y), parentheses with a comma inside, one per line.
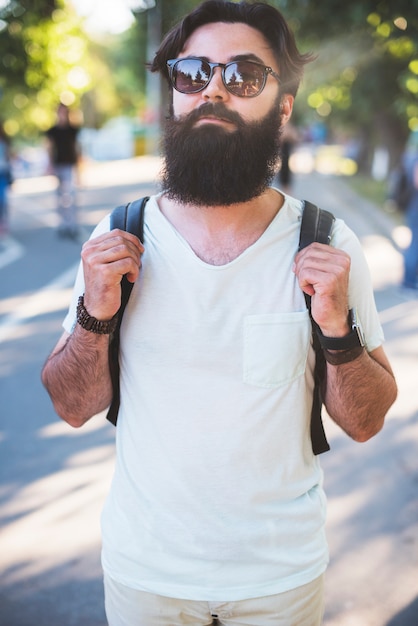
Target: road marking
(12,252)
(43,301)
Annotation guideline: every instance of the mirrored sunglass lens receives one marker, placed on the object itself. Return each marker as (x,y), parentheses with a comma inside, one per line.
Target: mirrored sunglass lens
(244,79)
(190,75)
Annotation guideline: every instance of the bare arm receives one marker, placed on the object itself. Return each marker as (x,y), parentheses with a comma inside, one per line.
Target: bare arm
(76,374)
(359,393)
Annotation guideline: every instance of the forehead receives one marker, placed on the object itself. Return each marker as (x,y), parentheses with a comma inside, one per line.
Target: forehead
(223,41)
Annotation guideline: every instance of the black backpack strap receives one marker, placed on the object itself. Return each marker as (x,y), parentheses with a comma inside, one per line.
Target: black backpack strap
(130,218)
(316,226)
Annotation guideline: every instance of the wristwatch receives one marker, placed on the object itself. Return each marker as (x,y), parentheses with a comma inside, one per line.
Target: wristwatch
(92,324)
(349,347)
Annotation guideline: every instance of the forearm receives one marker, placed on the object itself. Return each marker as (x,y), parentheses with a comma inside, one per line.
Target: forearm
(359,393)
(77,376)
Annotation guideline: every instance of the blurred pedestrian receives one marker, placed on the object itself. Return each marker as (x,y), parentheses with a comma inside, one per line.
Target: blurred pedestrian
(410,276)
(5,179)
(64,152)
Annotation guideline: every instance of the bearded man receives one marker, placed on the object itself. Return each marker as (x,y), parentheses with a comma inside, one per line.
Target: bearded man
(216,512)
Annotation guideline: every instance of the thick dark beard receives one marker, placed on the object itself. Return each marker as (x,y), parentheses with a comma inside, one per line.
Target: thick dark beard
(206,165)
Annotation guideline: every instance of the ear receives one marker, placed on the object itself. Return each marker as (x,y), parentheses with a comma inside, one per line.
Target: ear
(286,107)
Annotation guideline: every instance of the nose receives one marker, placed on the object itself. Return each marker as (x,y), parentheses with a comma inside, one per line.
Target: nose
(216,89)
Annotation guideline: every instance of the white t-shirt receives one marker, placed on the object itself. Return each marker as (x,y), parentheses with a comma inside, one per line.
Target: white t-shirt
(216,493)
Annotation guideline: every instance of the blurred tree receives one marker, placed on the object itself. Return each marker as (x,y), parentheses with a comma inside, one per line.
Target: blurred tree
(15,16)
(364,82)
(43,60)
(365,79)
(46,57)
(117,86)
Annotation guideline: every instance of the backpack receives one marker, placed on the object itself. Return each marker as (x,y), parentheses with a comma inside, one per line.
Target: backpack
(400,188)
(316,225)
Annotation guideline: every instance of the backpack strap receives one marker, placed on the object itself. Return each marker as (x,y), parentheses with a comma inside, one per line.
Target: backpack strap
(316,226)
(130,218)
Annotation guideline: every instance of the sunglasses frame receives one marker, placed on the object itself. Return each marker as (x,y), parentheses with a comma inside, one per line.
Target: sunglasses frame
(171,65)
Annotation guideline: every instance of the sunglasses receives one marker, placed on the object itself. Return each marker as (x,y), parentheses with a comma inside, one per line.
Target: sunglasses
(245,79)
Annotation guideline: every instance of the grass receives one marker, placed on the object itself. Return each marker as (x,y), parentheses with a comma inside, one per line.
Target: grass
(373,190)
(376,192)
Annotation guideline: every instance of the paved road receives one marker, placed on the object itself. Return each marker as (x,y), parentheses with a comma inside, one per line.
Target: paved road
(53,479)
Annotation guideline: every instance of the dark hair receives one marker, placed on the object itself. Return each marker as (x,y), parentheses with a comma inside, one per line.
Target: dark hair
(265,18)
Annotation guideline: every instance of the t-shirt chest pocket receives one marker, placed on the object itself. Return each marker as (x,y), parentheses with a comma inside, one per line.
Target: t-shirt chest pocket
(275,348)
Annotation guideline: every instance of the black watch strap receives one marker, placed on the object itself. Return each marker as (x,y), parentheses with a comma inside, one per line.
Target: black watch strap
(354,339)
(343,356)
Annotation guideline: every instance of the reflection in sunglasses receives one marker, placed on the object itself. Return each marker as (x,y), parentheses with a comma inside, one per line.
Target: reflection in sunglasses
(241,78)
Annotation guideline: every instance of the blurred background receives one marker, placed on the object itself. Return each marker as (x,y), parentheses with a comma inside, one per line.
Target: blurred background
(355,116)
(360,94)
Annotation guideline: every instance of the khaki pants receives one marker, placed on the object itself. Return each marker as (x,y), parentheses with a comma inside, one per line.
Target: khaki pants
(298,607)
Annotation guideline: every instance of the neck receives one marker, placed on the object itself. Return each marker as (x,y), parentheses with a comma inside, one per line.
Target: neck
(218,234)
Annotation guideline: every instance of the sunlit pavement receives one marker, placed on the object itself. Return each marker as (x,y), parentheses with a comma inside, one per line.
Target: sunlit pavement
(372,488)
(54,479)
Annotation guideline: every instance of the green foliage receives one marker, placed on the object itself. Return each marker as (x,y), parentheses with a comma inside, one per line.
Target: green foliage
(44,61)
(46,58)
(364,81)
(367,187)
(365,78)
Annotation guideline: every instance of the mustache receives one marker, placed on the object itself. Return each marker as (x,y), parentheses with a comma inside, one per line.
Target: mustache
(215,109)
